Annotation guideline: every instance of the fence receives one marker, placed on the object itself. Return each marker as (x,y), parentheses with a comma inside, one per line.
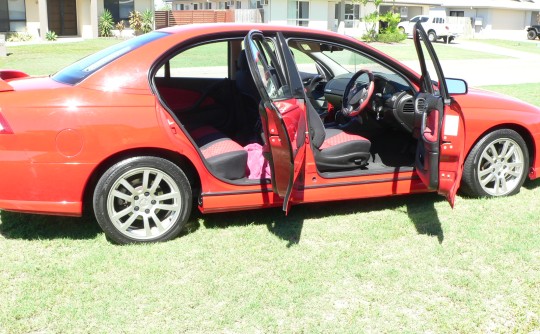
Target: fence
(180,17)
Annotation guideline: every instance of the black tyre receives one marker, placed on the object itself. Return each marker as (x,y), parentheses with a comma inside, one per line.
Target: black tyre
(142,199)
(496,166)
(432,36)
(531,34)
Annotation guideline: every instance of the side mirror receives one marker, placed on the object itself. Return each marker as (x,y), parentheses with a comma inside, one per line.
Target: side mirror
(456,86)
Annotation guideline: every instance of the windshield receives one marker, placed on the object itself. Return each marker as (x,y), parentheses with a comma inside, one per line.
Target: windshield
(337,59)
(78,71)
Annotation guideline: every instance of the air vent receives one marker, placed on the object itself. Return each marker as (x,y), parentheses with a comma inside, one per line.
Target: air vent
(408,106)
(421,105)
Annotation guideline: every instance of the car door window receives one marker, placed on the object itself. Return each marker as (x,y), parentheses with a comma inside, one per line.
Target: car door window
(268,69)
(201,61)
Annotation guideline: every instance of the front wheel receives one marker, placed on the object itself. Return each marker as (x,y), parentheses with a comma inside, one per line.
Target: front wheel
(531,34)
(496,166)
(142,199)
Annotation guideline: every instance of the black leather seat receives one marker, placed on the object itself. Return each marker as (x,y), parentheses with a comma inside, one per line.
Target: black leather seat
(335,149)
(226,157)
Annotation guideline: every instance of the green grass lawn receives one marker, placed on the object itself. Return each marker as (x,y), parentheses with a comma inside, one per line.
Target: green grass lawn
(48,58)
(402,264)
(406,264)
(525,46)
(405,51)
(526,92)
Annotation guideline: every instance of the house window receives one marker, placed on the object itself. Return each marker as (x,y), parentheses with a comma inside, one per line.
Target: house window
(458,13)
(119,9)
(12,15)
(238,4)
(179,6)
(298,12)
(352,12)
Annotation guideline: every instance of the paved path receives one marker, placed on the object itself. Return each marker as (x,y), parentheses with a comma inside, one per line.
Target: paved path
(522,67)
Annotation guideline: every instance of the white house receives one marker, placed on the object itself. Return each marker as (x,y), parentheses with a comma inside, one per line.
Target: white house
(489,18)
(64,17)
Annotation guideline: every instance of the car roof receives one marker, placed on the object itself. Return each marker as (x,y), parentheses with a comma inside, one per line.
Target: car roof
(244,27)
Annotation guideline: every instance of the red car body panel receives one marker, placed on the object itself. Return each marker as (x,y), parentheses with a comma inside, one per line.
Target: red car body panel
(63,135)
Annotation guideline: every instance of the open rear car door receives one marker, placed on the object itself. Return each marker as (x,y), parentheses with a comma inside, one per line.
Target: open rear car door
(439,125)
(282,110)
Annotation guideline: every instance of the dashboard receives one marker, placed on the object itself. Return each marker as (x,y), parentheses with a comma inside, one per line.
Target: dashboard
(392,102)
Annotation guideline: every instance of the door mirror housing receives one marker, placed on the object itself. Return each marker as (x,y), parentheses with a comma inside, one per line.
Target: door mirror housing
(456,86)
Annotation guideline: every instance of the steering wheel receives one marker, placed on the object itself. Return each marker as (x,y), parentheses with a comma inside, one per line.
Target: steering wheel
(313,83)
(356,96)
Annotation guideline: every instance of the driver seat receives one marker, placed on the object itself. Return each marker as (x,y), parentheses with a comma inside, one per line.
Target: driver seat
(335,149)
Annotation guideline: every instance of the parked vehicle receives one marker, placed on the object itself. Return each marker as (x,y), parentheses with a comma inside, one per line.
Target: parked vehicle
(435,26)
(533,32)
(223,117)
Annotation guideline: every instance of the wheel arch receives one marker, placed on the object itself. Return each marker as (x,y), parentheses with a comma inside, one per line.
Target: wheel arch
(180,160)
(521,130)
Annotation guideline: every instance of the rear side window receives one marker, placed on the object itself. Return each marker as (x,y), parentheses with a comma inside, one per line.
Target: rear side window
(78,71)
(201,61)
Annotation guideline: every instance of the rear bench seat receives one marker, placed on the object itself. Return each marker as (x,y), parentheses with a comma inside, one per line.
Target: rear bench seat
(226,158)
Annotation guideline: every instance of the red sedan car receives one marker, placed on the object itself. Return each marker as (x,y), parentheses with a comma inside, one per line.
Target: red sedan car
(234,117)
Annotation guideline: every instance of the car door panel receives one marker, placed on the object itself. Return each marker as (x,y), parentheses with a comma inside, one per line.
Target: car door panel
(283,114)
(439,127)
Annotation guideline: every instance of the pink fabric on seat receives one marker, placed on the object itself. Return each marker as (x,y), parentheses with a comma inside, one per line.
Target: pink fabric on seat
(257,166)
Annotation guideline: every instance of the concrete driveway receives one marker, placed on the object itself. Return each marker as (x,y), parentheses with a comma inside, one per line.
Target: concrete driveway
(522,67)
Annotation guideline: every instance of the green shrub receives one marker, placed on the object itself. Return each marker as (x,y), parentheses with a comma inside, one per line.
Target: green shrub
(18,37)
(105,24)
(51,36)
(147,21)
(391,37)
(141,22)
(135,21)
(120,27)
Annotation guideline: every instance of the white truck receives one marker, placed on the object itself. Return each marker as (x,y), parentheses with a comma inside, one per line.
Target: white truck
(435,26)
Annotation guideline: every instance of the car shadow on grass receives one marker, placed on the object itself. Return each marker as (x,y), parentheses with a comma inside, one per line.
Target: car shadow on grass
(40,227)
(420,209)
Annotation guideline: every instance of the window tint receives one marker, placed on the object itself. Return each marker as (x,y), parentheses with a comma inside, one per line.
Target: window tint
(78,71)
(202,61)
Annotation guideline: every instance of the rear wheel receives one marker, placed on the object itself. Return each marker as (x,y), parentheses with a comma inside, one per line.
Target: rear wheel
(142,199)
(432,36)
(497,165)
(531,34)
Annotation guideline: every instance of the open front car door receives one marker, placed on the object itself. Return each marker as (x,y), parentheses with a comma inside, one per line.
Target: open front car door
(282,111)
(439,125)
